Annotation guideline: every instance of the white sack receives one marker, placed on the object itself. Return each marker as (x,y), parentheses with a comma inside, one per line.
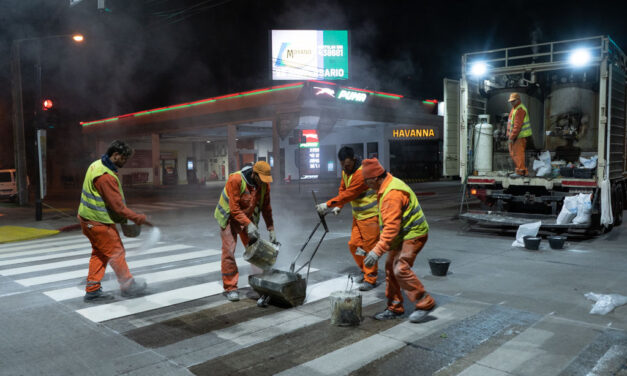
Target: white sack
(542,165)
(530,229)
(605,303)
(589,162)
(568,212)
(584,207)
(607,218)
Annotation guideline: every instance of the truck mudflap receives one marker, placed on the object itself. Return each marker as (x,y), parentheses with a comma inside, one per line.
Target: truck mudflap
(502,219)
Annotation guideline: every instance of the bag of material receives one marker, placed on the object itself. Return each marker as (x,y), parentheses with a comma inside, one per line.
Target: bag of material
(607,218)
(530,229)
(584,207)
(605,303)
(568,212)
(542,166)
(589,162)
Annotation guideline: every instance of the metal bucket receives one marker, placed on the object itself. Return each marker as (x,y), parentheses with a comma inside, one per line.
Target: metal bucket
(131,230)
(345,308)
(283,288)
(261,253)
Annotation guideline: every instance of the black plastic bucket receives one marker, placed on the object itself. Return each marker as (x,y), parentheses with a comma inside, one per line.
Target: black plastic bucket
(532,242)
(439,266)
(557,241)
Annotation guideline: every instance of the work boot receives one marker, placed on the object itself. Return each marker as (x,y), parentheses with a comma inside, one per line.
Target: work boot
(367,286)
(419,315)
(98,295)
(136,288)
(232,295)
(387,315)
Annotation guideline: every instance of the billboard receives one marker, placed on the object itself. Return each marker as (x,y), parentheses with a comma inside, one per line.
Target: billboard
(309,54)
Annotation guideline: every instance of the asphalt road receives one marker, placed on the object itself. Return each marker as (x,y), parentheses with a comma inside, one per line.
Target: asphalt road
(501,310)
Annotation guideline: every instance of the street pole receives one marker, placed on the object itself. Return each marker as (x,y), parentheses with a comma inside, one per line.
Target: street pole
(18,125)
(37,124)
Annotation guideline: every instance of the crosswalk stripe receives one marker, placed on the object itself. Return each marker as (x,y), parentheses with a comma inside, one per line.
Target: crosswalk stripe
(145,207)
(176,204)
(203,203)
(39,280)
(221,342)
(611,361)
(80,261)
(128,307)
(155,277)
(39,241)
(47,243)
(82,244)
(80,252)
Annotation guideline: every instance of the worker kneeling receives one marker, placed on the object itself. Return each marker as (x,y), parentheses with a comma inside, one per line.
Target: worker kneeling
(245,196)
(404,232)
(365,231)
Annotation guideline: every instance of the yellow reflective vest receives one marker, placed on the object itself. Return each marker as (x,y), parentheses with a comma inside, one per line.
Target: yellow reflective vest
(364,206)
(413,223)
(525,130)
(223,211)
(92,205)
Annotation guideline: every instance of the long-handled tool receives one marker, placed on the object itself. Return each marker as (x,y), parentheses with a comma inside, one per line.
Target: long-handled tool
(287,288)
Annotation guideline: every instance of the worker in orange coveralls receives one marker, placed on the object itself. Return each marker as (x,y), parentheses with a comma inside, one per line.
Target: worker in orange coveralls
(518,130)
(404,232)
(245,196)
(365,231)
(102,206)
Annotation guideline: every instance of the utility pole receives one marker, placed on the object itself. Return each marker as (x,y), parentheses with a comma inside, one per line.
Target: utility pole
(18,125)
(37,125)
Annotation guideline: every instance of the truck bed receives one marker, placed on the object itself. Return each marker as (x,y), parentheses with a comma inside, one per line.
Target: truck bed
(500,219)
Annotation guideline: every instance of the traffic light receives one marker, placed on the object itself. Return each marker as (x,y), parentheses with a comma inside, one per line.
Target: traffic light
(47,104)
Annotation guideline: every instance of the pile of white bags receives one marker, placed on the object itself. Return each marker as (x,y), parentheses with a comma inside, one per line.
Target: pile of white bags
(589,162)
(576,209)
(542,167)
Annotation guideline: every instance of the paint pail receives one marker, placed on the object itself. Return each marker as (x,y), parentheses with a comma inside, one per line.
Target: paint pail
(345,308)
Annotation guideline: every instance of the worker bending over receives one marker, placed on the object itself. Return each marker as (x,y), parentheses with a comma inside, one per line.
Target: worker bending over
(365,231)
(102,206)
(245,195)
(518,130)
(404,232)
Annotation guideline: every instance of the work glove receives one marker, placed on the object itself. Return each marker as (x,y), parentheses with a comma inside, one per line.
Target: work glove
(336,210)
(273,237)
(253,232)
(360,252)
(510,141)
(371,259)
(321,208)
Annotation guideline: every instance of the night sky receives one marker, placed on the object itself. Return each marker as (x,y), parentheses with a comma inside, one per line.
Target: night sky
(149,53)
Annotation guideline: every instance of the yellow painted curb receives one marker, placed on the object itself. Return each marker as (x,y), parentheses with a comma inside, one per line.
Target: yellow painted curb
(17,233)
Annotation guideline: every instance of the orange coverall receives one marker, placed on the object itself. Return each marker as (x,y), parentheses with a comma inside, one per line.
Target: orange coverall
(517,148)
(365,232)
(400,260)
(242,208)
(107,247)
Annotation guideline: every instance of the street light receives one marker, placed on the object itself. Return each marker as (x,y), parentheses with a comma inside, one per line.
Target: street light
(19,143)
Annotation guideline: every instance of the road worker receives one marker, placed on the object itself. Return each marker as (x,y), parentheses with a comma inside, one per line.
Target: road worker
(404,232)
(102,206)
(365,230)
(518,130)
(244,198)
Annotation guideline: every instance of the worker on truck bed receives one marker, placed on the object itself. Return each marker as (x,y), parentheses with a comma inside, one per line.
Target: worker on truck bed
(365,232)
(245,196)
(404,232)
(102,206)
(518,129)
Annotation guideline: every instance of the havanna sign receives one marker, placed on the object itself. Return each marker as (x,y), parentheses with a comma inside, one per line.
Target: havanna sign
(420,133)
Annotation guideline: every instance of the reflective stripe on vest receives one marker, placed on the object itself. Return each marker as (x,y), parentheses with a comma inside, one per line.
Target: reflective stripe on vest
(93,206)
(365,205)
(223,211)
(413,222)
(525,130)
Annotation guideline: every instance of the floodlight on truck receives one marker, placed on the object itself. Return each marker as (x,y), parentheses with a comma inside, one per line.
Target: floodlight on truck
(579,57)
(478,68)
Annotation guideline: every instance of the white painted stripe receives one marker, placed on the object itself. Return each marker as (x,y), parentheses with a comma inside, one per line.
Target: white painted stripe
(176,204)
(85,244)
(132,264)
(143,207)
(57,238)
(80,261)
(198,203)
(355,356)
(81,252)
(128,307)
(610,362)
(48,243)
(155,277)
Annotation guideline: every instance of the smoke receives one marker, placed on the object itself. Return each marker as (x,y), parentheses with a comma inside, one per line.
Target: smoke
(536,37)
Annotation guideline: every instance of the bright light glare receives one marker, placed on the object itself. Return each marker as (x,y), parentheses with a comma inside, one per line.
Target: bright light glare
(478,68)
(579,57)
(78,38)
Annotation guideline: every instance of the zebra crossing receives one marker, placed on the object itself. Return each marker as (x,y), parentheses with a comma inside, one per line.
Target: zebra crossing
(171,205)
(184,319)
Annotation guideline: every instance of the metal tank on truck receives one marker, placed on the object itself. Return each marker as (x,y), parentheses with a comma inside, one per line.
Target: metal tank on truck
(572,141)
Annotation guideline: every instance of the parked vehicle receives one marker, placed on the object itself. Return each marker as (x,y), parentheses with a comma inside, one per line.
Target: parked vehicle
(8,184)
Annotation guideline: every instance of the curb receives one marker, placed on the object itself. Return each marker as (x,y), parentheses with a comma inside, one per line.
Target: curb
(74,227)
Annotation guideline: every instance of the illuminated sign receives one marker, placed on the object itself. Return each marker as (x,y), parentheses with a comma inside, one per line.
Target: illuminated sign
(324,91)
(415,133)
(309,54)
(310,145)
(311,135)
(352,96)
